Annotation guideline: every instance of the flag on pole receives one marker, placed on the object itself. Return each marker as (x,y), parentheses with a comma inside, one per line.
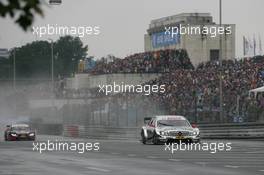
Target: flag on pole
(254,45)
(245,45)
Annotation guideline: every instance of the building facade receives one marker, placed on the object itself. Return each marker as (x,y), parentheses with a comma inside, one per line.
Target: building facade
(194,32)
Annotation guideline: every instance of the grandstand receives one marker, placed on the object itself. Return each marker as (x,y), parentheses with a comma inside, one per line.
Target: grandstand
(190,92)
(200,47)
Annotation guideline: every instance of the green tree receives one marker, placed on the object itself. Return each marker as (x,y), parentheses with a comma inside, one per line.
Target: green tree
(69,51)
(22,11)
(4,68)
(34,59)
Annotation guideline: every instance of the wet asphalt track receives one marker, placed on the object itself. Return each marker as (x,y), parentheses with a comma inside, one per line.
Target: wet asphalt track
(130,157)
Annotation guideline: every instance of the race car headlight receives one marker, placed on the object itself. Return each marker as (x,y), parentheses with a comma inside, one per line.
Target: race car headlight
(32,134)
(13,134)
(194,133)
(163,133)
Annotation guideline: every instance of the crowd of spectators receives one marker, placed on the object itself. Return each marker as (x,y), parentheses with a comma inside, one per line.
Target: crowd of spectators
(195,91)
(147,62)
(198,90)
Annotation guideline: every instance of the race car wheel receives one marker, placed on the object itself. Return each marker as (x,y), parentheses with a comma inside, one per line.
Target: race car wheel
(6,138)
(155,139)
(143,138)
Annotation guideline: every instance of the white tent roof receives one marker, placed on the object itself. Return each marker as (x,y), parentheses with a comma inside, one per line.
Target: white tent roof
(260,89)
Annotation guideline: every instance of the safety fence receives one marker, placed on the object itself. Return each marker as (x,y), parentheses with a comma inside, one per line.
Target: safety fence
(101,132)
(48,129)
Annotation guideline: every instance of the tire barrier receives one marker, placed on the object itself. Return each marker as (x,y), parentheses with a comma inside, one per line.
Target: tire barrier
(71,131)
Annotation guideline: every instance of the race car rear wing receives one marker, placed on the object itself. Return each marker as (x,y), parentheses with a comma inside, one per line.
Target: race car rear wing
(147,119)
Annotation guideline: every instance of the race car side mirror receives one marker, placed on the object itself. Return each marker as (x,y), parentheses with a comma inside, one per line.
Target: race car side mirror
(194,125)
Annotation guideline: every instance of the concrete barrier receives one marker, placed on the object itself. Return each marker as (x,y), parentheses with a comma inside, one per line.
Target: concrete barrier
(93,81)
(232,131)
(208,131)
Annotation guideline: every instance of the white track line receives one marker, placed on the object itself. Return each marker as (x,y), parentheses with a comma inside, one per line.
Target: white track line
(98,169)
(131,155)
(115,153)
(231,166)
(174,160)
(201,163)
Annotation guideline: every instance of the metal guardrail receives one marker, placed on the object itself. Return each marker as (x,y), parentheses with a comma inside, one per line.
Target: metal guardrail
(232,131)
(208,131)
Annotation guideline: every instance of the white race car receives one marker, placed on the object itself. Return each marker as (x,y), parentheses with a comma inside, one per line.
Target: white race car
(169,128)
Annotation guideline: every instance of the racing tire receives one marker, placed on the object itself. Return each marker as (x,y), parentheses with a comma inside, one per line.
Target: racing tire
(155,139)
(143,138)
(6,139)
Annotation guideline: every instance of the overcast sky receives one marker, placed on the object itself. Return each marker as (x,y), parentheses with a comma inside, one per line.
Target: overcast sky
(123,23)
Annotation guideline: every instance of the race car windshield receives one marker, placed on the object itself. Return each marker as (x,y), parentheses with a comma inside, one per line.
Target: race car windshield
(181,123)
(20,128)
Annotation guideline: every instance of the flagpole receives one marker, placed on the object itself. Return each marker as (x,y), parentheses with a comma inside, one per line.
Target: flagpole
(244,47)
(220,64)
(260,46)
(254,45)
